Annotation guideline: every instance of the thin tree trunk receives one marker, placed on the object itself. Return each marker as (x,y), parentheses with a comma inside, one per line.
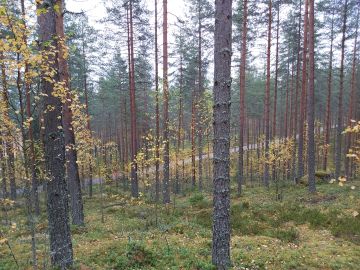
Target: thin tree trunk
(311,102)
(242,98)
(267,99)
(339,127)
(352,99)
(303,96)
(276,71)
(166,186)
(134,165)
(328,101)
(157,111)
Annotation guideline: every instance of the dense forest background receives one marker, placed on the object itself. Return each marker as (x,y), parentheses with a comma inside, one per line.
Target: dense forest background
(145,112)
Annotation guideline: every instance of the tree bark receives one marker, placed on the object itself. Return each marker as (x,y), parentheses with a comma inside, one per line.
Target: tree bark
(166,180)
(242,98)
(267,99)
(311,102)
(221,147)
(57,200)
(157,111)
(303,95)
(72,168)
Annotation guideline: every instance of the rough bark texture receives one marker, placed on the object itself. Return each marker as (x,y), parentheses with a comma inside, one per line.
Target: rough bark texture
(339,127)
(242,98)
(57,201)
(303,96)
(311,102)
(221,147)
(72,168)
(166,186)
(267,99)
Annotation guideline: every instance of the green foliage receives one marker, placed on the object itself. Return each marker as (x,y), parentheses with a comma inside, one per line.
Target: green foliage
(286,235)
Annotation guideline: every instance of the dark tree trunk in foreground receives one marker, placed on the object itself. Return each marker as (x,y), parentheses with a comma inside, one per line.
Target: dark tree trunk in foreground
(339,127)
(166,185)
(221,147)
(242,98)
(311,102)
(72,168)
(57,195)
(267,100)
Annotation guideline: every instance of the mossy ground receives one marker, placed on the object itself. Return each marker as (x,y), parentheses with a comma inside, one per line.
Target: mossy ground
(302,231)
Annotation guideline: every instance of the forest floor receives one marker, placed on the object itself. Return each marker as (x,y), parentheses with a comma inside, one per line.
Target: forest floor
(302,231)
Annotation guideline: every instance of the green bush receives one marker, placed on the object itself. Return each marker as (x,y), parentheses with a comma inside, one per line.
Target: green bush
(290,235)
(199,200)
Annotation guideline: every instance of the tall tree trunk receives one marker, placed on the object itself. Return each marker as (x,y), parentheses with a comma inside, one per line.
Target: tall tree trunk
(157,111)
(180,125)
(242,98)
(134,165)
(352,98)
(221,161)
(72,168)
(328,101)
(88,126)
(311,102)
(276,71)
(32,158)
(57,200)
(267,98)
(339,127)
(166,186)
(199,100)
(192,127)
(303,96)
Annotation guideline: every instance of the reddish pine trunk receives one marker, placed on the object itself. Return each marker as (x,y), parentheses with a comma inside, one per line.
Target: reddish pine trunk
(242,98)
(77,212)
(311,102)
(267,99)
